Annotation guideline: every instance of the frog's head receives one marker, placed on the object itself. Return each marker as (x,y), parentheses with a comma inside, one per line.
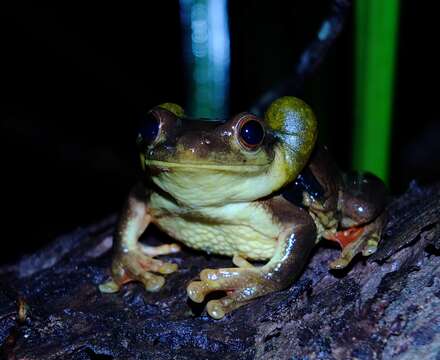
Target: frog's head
(201,162)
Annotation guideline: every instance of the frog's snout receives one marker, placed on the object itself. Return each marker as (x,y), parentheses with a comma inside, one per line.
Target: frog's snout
(200,144)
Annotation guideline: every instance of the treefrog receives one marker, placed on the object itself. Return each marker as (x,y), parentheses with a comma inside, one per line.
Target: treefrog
(254,189)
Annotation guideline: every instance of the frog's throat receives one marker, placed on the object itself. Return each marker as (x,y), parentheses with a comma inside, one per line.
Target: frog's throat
(215,167)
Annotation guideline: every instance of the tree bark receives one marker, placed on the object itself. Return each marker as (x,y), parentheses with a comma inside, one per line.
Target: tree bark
(383,307)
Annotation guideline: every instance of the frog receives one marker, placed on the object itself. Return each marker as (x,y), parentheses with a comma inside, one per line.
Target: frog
(259,190)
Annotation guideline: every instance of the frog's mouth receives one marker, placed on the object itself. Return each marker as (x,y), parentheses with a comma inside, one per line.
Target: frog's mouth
(165,166)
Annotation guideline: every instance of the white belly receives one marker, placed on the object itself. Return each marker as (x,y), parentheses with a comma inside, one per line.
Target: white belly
(242,228)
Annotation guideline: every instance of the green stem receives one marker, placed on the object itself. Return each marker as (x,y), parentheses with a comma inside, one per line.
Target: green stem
(376,42)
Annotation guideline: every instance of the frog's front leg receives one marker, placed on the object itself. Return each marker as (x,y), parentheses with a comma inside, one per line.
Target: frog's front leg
(242,284)
(132,260)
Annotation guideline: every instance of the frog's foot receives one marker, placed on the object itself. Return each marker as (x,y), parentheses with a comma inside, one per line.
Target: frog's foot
(164,249)
(356,240)
(134,265)
(240,284)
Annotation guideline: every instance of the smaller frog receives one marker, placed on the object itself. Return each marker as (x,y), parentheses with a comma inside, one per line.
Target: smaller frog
(255,189)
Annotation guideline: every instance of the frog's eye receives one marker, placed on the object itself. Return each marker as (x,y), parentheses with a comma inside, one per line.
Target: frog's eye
(250,133)
(148,131)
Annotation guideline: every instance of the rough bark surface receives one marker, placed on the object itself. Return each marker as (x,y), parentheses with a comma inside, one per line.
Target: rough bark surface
(385,307)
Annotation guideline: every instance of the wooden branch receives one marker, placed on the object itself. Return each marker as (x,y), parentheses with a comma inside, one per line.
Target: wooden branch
(311,57)
(384,307)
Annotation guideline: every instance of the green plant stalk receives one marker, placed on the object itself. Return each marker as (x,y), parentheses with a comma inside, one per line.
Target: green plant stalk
(375,49)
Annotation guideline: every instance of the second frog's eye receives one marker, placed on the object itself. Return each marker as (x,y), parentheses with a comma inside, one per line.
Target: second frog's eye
(149,129)
(250,133)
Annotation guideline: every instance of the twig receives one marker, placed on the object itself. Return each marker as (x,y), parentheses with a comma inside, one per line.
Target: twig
(311,57)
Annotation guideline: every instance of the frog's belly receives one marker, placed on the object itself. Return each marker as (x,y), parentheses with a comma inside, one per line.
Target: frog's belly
(245,229)
(223,239)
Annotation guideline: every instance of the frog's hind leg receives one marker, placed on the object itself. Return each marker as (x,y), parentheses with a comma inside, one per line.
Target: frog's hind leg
(362,239)
(247,282)
(361,203)
(134,261)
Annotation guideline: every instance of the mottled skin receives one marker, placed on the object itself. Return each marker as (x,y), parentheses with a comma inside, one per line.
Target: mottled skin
(209,189)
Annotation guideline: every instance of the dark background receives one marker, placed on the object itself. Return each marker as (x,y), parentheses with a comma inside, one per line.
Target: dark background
(75,78)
